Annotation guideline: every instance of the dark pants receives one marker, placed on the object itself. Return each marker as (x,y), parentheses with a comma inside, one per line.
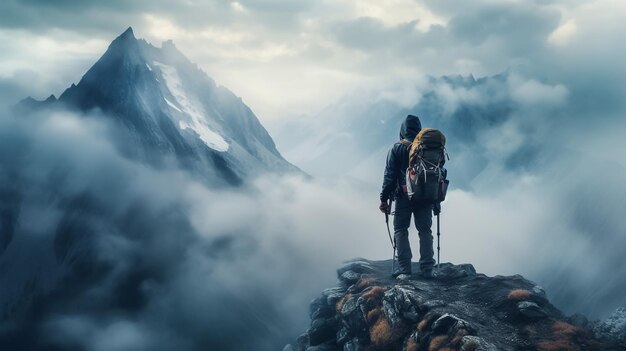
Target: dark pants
(422,214)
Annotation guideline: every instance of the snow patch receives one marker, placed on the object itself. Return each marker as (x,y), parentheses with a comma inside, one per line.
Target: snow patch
(195,112)
(172,105)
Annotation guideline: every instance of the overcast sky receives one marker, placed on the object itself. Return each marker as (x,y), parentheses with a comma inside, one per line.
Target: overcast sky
(289,58)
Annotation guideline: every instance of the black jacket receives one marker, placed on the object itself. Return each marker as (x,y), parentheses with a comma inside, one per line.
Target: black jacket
(398,159)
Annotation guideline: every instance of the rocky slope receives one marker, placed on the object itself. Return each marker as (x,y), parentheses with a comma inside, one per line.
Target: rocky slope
(460,310)
(168,108)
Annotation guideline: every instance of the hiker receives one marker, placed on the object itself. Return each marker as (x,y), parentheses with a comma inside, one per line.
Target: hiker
(394,186)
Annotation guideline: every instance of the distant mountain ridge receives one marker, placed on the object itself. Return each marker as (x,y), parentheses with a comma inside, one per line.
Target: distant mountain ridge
(358,130)
(172,108)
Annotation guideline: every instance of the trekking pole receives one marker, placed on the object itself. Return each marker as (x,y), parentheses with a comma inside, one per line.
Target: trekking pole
(438,243)
(393,242)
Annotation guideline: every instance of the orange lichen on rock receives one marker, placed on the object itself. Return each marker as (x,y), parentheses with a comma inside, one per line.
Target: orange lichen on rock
(519,295)
(380,332)
(374,314)
(563,338)
(557,345)
(563,328)
(342,301)
(365,282)
(383,336)
(374,293)
(437,342)
(459,335)
(423,324)
(411,345)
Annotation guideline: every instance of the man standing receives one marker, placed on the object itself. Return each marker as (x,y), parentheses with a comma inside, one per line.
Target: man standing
(394,186)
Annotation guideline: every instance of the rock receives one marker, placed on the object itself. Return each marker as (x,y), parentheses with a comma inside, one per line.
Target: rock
(414,340)
(352,314)
(343,335)
(354,345)
(302,342)
(322,330)
(333,295)
(390,312)
(538,291)
(449,322)
(401,303)
(448,271)
(474,343)
(350,277)
(613,329)
(530,310)
(324,347)
(349,307)
(430,304)
(357,266)
(384,314)
(319,308)
(578,320)
(322,312)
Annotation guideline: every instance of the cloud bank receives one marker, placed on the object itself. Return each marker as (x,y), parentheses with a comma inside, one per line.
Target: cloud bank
(308,55)
(100,252)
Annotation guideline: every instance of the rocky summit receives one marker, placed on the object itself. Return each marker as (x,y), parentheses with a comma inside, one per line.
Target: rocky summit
(459,310)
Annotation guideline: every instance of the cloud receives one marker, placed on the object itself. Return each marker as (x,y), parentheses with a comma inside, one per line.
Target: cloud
(536,180)
(308,54)
(135,257)
(563,33)
(151,288)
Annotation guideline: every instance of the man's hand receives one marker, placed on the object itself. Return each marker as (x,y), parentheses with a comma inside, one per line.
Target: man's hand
(383,207)
(437,208)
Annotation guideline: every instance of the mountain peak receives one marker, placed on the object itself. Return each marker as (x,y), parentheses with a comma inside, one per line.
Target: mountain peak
(168,46)
(125,39)
(128,33)
(459,310)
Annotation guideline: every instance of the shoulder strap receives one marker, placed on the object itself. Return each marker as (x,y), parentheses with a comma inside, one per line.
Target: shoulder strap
(404,142)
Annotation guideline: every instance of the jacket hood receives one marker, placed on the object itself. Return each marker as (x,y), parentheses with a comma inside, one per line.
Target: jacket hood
(410,127)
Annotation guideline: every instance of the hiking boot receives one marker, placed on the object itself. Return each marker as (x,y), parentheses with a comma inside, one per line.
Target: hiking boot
(428,274)
(403,276)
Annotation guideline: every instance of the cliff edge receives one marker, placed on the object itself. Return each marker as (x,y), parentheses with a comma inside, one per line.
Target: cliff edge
(459,310)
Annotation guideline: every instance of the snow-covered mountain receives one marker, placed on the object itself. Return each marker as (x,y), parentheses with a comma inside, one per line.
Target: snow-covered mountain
(119,188)
(172,108)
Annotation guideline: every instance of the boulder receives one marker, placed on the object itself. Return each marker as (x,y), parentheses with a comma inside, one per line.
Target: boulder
(322,330)
(474,343)
(349,277)
(357,266)
(530,310)
(449,323)
(401,303)
(613,329)
(354,345)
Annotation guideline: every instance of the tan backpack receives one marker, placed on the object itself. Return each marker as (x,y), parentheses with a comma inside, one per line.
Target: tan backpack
(426,176)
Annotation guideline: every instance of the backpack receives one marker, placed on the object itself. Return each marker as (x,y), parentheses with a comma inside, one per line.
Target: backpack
(426,177)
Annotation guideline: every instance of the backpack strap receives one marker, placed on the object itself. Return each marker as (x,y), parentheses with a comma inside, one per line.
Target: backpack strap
(404,142)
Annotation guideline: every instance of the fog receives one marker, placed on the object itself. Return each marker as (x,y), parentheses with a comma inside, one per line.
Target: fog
(120,255)
(116,255)
(536,174)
